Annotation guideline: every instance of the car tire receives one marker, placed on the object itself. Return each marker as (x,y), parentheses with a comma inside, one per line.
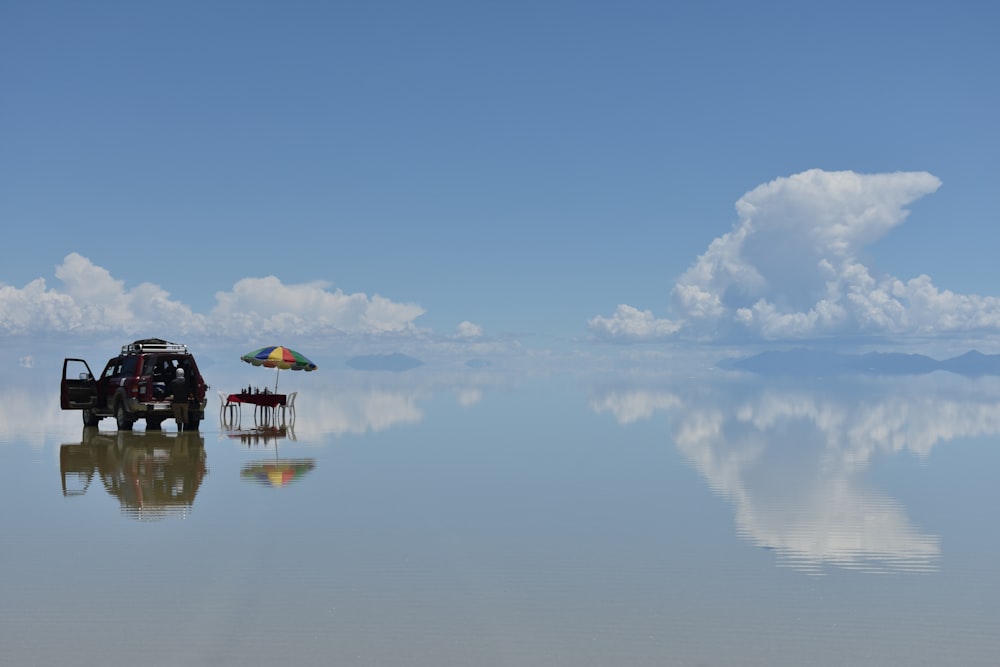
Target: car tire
(89,418)
(154,423)
(123,417)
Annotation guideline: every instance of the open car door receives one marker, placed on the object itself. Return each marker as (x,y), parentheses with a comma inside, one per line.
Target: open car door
(78,390)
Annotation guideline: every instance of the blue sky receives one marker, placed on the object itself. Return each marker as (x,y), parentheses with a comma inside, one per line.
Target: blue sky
(627,172)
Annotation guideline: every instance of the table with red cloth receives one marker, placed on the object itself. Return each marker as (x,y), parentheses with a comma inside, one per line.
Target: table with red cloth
(262,400)
(265,405)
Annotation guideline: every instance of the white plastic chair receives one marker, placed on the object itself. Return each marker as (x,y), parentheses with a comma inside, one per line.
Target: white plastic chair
(228,409)
(288,409)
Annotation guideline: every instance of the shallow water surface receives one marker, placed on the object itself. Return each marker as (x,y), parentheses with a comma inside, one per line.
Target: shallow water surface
(560,521)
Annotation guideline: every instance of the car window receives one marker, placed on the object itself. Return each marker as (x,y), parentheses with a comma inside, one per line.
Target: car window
(162,371)
(128,368)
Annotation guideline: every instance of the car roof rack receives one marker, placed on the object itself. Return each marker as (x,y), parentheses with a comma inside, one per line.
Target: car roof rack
(153,345)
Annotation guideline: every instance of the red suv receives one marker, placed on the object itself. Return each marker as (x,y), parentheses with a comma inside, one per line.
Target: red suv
(133,386)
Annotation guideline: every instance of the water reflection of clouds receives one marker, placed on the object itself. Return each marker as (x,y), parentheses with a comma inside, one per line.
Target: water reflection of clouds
(469,396)
(34,417)
(355,411)
(340,402)
(358,403)
(791,460)
(632,406)
(332,413)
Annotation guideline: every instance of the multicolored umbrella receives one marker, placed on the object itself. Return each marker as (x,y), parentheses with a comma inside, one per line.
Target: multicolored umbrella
(282,358)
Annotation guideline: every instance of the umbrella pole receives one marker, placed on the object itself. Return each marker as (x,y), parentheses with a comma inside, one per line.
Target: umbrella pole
(276,372)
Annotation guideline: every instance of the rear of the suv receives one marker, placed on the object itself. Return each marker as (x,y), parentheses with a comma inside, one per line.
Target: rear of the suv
(133,385)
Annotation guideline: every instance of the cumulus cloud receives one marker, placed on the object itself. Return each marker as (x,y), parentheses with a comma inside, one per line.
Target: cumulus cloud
(268,305)
(469,330)
(630,324)
(91,301)
(792,267)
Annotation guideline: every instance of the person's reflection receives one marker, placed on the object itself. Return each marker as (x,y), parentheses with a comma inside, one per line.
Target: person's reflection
(153,474)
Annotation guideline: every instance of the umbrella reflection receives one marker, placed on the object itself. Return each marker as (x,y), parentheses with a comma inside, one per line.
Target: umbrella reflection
(153,474)
(276,473)
(271,472)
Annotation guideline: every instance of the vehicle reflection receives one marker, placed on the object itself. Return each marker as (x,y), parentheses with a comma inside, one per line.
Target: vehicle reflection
(153,474)
(795,461)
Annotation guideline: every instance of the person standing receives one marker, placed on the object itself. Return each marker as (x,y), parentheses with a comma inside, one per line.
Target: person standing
(179,390)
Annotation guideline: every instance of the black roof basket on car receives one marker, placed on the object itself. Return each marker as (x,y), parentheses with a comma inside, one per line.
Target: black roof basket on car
(153,345)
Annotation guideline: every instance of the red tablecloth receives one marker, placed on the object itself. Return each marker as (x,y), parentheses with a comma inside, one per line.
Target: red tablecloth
(266,400)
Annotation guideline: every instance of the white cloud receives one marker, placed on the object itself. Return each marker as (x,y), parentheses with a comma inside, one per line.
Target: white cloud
(792,268)
(469,330)
(632,324)
(268,305)
(92,301)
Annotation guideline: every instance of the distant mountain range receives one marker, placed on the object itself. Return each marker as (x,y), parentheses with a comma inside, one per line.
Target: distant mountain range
(820,362)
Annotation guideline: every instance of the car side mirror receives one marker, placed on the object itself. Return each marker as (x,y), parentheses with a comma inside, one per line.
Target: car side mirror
(86,376)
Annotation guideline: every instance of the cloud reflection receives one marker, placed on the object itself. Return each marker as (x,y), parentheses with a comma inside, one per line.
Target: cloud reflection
(793,460)
(355,403)
(34,416)
(355,411)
